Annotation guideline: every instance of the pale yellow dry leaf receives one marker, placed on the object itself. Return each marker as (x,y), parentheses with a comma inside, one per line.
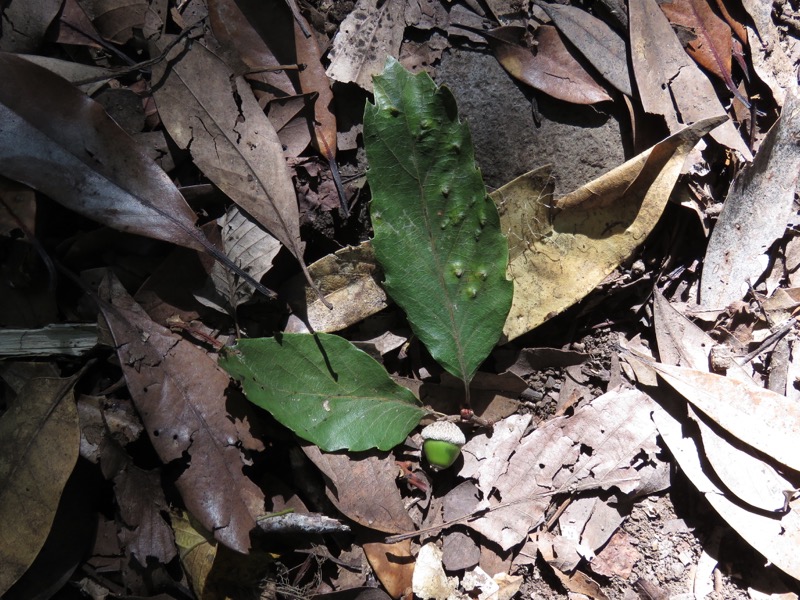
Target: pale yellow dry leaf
(571,246)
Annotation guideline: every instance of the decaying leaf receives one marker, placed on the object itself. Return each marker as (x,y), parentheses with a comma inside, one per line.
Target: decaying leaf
(25,24)
(756,212)
(669,82)
(598,43)
(574,246)
(39,442)
(713,42)
(551,68)
(368,35)
(180,394)
(549,461)
(364,489)
(73,152)
(252,249)
(350,280)
(767,421)
(235,30)
(429,202)
(116,19)
(394,566)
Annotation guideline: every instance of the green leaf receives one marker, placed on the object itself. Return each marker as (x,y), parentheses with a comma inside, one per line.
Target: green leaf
(437,234)
(325,390)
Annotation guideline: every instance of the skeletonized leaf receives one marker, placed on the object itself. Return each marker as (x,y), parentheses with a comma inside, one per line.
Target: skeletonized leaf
(215,115)
(325,390)
(571,247)
(598,43)
(437,233)
(39,443)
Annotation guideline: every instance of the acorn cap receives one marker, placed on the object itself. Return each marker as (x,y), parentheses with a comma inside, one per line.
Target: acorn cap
(444,431)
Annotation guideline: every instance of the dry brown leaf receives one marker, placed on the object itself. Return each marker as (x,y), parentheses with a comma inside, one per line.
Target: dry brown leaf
(550,68)
(598,226)
(367,36)
(79,157)
(231,140)
(712,45)
(393,564)
(363,489)
(116,19)
(250,248)
(549,460)
(576,582)
(681,342)
(669,82)
(775,536)
(350,280)
(26,23)
(39,443)
(313,80)
(74,26)
(771,62)
(756,212)
(235,31)
(598,43)
(767,421)
(180,393)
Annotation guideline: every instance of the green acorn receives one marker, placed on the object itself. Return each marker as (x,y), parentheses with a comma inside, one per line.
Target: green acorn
(442,445)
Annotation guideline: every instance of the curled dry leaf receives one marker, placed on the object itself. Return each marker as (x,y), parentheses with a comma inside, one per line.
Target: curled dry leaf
(776,536)
(39,443)
(550,68)
(180,394)
(568,253)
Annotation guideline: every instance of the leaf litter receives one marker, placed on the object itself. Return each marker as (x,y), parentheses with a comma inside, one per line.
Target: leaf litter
(560,488)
